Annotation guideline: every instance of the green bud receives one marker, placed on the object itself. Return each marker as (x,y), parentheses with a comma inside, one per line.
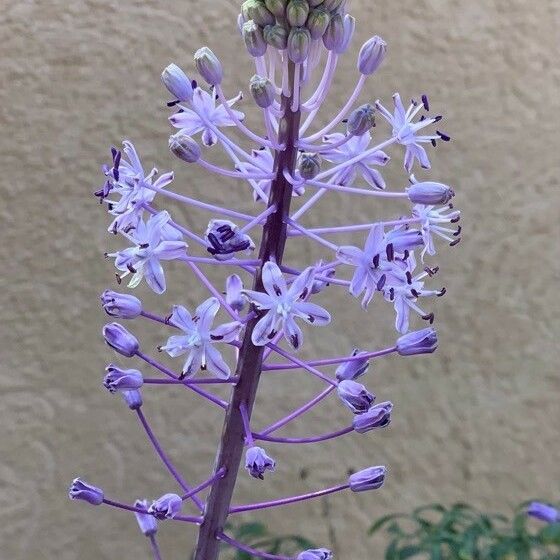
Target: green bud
(262,90)
(276,7)
(309,165)
(276,36)
(317,22)
(297,12)
(253,37)
(314,3)
(299,41)
(257,11)
(361,120)
(208,66)
(184,147)
(334,35)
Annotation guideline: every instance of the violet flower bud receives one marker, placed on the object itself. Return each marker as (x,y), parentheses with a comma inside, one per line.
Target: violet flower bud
(208,66)
(225,239)
(118,379)
(543,512)
(333,37)
(309,165)
(317,22)
(80,490)
(429,193)
(146,522)
(263,91)
(118,338)
(355,396)
(234,297)
(133,399)
(258,12)
(297,12)
(257,462)
(315,554)
(254,39)
(299,41)
(352,369)
(177,83)
(371,478)
(166,507)
(276,36)
(361,120)
(276,7)
(418,342)
(378,416)
(349,25)
(184,147)
(371,55)
(123,306)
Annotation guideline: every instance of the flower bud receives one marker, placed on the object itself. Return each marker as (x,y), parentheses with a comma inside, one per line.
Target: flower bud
(314,3)
(361,120)
(254,39)
(276,36)
(355,396)
(309,165)
(418,342)
(299,41)
(262,90)
(367,479)
(177,83)
(333,37)
(429,193)
(331,5)
(118,338)
(315,554)
(234,297)
(317,22)
(208,66)
(297,12)
(184,147)
(258,12)
(543,512)
(257,462)
(225,239)
(166,507)
(133,399)
(353,368)
(371,55)
(349,24)
(123,306)
(377,416)
(80,490)
(276,7)
(146,522)
(118,379)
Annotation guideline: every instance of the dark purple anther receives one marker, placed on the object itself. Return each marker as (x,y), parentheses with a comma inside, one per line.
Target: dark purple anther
(425,102)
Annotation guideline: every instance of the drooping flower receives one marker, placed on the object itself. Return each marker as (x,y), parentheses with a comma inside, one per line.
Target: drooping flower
(234,295)
(146,522)
(120,339)
(315,554)
(166,507)
(423,341)
(350,149)
(355,396)
(150,247)
(371,478)
(204,116)
(544,512)
(224,239)
(199,339)
(257,462)
(123,306)
(352,369)
(378,416)
(132,398)
(283,305)
(118,379)
(405,130)
(431,218)
(81,490)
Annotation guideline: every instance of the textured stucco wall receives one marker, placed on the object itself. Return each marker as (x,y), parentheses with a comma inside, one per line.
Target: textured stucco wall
(477,421)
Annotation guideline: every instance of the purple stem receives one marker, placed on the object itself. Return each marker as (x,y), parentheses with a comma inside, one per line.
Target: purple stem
(207,381)
(246,424)
(202,486)
(252,551)
(352,228)
(290,500)
(119,505)
(155,547)
(315,439)
(166,461)
(235,174)
(258,219)
(312,235)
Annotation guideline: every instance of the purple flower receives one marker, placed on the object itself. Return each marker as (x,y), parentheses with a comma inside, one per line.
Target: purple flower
(80,490)
(371,478)
(283,305)
(123,306)
(405,130)
(118,338)
(177,83)
(257,462)
(261,161)
(418,342)
(234,295)
(204,116)
(352,369)
(431,220)
(208,66)
(118,379)
(543,512)
(151,245)
(315,554)
(428,192)
(371,55)
(355,396)
(199,339)
(350,149)
(132,398)
(224,239)
(146,522)
(377,416)
(166,507)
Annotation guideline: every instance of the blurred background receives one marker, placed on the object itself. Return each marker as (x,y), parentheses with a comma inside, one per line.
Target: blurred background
(477,421)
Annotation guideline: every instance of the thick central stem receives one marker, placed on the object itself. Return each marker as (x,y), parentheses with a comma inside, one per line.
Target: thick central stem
(249,364)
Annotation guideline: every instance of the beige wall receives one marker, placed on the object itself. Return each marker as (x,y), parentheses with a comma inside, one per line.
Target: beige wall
(477,421)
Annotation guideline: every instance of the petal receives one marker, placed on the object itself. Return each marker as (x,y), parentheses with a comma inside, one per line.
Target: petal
(402,314)
(155,278)
(163,180)
(377,158)
(132,155)
(374,241)
(358,283)
(188,121)
(182,318)
(272,279)
(260,299)
(125,257)
(206,312)
(264,329)
(209,137)
(193,362)
(292,333)
(226,332)
(372,177)
(215,363)
(312,313)
(350,255)
(176,345)
(169,250)
(400,113)
(301,286)
(220,117)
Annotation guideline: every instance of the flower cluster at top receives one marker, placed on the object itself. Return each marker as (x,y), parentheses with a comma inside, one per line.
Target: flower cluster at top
(263,303)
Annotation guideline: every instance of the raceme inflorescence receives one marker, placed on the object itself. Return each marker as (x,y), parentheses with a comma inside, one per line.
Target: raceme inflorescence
(259,309)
